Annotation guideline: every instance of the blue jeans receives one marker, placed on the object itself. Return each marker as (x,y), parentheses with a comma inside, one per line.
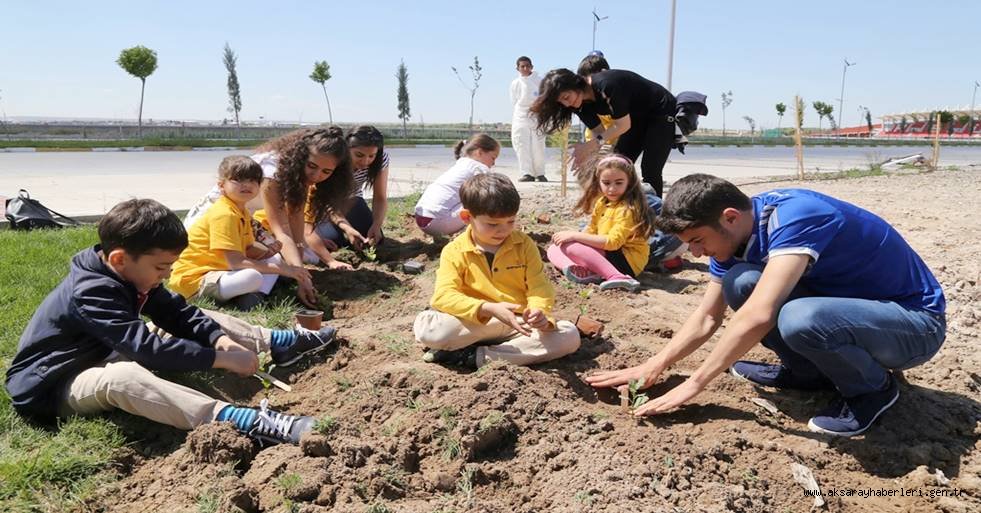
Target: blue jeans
(660,243)
(359,216)
(853,342)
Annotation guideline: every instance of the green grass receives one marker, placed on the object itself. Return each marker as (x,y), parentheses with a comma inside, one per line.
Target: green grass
(398,210)
(44,469)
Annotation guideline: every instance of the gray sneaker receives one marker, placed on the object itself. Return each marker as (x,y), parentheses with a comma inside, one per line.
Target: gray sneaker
(271,427)
(307,342)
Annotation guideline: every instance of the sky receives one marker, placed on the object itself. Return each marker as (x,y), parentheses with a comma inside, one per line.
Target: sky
(58,58)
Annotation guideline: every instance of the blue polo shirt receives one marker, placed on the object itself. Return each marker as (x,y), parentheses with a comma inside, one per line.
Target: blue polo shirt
(854,253)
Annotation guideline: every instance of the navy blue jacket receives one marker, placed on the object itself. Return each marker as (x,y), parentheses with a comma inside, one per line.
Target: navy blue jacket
(90,315)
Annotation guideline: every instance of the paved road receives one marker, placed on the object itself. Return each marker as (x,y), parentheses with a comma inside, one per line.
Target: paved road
(87,183)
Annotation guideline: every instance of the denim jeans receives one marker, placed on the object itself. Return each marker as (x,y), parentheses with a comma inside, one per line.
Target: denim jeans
(359,216)
(661,243)
(853,342)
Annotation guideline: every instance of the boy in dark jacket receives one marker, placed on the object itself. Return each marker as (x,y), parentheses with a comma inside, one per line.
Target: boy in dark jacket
(86,349)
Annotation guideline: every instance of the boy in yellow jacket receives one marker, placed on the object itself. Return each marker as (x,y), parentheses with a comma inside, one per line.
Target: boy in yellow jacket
(491,287)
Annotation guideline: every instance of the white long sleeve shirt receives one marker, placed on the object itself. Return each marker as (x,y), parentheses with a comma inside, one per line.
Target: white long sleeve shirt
(524,90)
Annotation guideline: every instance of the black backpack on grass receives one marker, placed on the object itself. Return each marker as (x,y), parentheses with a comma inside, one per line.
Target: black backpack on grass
(25,213)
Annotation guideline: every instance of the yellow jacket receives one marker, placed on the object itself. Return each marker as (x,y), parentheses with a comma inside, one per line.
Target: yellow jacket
(607,122)
(464,280)
(617,222)
(223,227)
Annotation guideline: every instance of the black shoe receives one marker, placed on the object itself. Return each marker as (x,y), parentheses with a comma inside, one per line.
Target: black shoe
(777,376)
(541,178)
(307,342)
(247,302)
(852,416)
(466,357)
(526,178)
(271,427)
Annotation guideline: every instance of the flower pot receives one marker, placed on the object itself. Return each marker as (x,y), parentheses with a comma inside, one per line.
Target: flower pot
(589,328)
(310,319)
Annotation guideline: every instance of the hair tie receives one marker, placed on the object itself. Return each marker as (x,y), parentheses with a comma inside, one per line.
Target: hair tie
(613,158)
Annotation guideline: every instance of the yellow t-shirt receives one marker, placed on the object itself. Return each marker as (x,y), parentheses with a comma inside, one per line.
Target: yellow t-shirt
(465,280)
(617,222)
(607,122)
(263,219)
(223,227)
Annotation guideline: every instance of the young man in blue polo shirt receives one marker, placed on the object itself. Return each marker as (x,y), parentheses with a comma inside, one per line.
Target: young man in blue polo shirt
(832,289)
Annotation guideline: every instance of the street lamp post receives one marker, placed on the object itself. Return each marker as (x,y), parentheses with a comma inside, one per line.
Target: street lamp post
(841,99)
(973,96)
(671,43)
(596,20)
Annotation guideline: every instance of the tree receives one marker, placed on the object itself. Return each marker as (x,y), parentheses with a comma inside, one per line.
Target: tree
(320,75)
(726,101)
(947,118)
(801,105)
(752,125)
(234,94)
(140,62)
(475,69)
(963,120)
(824,110)
(403,95)
(781,110)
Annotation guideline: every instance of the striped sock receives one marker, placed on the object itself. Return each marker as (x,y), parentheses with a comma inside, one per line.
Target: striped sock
(241,416)
(281,339)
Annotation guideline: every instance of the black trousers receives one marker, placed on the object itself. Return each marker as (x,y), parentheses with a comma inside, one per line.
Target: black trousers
(653,137)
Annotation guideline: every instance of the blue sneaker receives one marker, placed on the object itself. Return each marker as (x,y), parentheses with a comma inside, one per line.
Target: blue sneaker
(307,342)
(777,376)
(853,415)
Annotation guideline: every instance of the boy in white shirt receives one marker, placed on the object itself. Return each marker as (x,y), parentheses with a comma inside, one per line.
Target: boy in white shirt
(528,142)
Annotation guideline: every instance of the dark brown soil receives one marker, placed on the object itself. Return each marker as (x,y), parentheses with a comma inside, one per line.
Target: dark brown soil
(416,437)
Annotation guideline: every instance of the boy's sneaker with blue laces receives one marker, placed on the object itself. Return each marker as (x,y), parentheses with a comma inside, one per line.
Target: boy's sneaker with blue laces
(466,357)
(777,376)
(288,346)
(853,415)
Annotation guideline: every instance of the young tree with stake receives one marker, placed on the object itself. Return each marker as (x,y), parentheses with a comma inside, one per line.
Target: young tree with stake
(320,75)
(140,62)
(234,94)
(403,95)
(475,69)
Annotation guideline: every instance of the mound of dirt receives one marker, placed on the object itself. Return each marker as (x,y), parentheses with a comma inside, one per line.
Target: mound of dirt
(415,437)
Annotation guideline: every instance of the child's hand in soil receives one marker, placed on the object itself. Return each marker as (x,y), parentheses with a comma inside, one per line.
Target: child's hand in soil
(564,236)
(536,318)
(243,363)
(374,235)
(504,312)
(646,374)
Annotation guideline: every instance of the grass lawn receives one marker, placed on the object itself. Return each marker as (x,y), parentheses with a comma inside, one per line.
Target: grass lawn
(53,470)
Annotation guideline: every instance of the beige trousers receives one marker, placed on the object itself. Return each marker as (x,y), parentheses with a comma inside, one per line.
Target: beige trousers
(438,330)
(129,386)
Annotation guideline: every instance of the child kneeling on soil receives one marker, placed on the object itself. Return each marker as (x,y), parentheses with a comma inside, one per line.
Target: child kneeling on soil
(491,288)
(438,209)
(222,260)
(86,350)
(613,250)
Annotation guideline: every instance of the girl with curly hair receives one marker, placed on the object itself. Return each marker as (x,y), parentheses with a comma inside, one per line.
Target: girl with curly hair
(306,177)
(362,224)
(642,111)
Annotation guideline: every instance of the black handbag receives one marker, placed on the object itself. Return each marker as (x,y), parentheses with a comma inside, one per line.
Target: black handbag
(26,213)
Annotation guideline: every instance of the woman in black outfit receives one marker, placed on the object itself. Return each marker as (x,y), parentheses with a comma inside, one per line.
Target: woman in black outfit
(642,112)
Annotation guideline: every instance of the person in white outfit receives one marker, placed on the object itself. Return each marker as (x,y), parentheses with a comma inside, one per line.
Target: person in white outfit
(438,209)
(528,142)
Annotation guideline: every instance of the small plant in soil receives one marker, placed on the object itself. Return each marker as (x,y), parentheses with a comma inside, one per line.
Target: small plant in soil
(377,507)
(370,253)
(289,482)
(343,383)
(208,501)
(583,497)
(394,476)
(668,461)
(265,365)
(326,425)
(583,300)
(464,485)
(397,345)
(637,399)
(491,421)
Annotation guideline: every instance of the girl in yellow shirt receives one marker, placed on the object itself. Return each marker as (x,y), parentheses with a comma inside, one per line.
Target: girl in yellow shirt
(613,249)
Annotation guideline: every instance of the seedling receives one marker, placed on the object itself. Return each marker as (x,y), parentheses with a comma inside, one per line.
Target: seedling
(265,364)
(631,398)
(370,252)
(584,298)
(325,425)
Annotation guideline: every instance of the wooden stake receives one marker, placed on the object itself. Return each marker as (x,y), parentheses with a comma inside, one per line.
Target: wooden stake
(798,141)
(936,144)
(274,380)
(564,162)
